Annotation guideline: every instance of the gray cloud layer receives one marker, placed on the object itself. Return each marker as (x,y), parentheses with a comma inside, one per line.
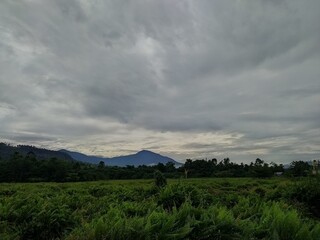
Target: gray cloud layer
(186,78)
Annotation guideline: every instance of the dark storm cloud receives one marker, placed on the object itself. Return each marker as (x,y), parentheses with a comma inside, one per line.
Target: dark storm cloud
(108,71)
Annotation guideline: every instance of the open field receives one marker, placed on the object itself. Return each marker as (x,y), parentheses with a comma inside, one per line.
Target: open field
(237,208)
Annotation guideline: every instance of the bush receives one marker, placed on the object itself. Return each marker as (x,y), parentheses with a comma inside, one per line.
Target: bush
(36,219)
(176,194)
(286,224)
(306,192)
(160,179)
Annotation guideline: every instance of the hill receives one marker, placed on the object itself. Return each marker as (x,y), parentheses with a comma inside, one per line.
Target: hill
(82,157)
(6,151)
(143,157)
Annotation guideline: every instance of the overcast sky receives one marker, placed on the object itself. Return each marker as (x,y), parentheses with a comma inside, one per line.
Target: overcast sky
(187,79)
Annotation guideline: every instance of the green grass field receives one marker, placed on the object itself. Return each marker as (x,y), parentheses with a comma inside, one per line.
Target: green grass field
(212,208)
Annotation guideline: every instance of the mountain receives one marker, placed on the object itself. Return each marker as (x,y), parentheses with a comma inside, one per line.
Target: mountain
(143,157)
(83,158)
(6,151)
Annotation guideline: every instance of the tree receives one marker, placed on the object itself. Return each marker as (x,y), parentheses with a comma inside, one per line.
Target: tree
(226,161)
(161,167)
(170,167)
(187,167)
(101,165)
(259,162)
(160,179)
(214,161)
(299,168)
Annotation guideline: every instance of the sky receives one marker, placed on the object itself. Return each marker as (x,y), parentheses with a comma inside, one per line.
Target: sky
(186,79)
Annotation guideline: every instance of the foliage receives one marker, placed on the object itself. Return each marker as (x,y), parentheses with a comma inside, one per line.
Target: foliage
(52,166)
(306,192)
(183,209)
(160,180)
(299,168)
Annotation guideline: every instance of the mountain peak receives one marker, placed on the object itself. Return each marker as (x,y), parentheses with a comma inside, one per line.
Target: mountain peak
(143,157)
(145,151)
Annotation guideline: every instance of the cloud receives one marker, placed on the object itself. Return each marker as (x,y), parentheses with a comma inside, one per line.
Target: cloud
(86,74)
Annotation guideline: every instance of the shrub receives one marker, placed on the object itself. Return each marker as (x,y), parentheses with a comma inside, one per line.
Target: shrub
(286,224)
(176,194)
(160,179)
(306,192)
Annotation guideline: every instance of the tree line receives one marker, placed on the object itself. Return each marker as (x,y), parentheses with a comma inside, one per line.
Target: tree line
(27,168)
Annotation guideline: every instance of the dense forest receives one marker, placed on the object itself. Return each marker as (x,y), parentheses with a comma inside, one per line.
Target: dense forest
(29,168)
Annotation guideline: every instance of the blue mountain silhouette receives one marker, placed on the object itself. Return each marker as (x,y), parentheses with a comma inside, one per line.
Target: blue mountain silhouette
(143,157)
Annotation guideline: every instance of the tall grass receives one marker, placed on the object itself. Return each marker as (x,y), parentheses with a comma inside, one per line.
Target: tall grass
(191,209)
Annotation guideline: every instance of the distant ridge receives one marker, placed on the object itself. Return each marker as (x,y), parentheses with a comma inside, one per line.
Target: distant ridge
(82,157)
(6,151)
(143,157)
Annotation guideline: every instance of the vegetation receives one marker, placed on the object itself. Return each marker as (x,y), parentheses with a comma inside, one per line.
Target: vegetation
(160,180)
(29,168)
(199,201)
(21,164)
(215,208)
